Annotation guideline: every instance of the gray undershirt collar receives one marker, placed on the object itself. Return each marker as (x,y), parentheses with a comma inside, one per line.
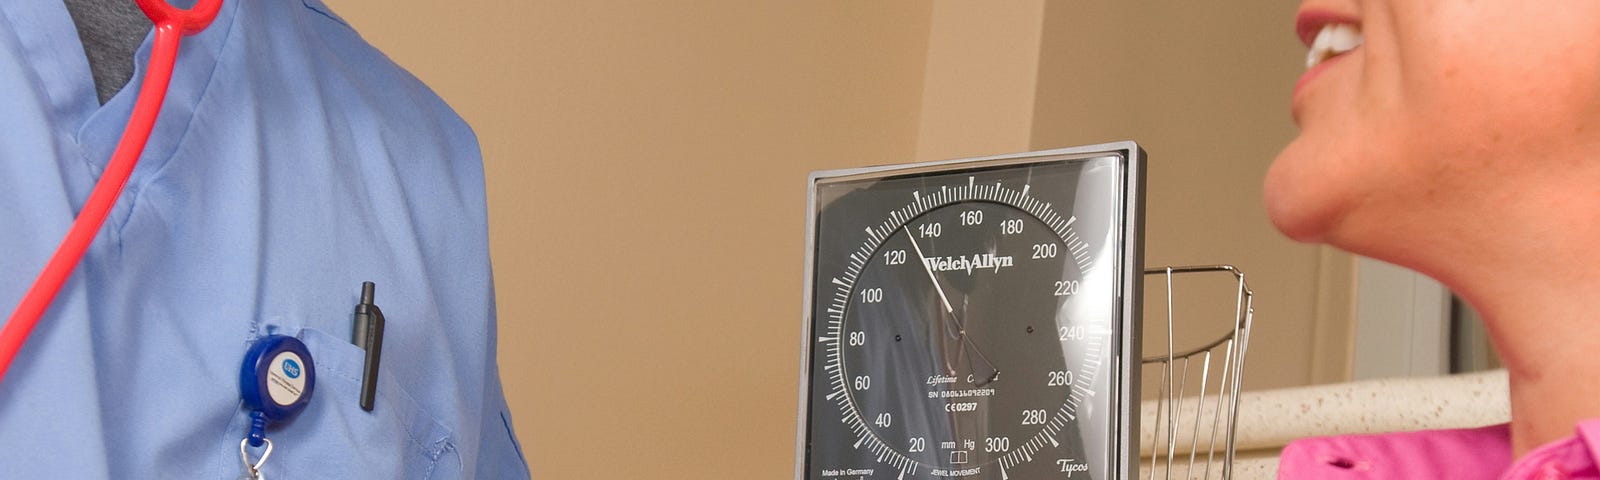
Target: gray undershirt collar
(110,30)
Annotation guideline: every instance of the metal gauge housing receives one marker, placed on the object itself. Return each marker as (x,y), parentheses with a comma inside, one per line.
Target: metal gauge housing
(974,319)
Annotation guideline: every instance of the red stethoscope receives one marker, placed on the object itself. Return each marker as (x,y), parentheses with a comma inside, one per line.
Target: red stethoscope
(171,24)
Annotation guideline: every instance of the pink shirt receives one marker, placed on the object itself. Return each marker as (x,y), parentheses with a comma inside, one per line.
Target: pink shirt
(1478,453)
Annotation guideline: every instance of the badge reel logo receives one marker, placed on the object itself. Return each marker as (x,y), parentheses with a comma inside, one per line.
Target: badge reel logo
(286,383)
(291,368)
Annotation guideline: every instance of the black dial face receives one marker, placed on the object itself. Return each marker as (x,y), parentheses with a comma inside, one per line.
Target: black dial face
(965,323)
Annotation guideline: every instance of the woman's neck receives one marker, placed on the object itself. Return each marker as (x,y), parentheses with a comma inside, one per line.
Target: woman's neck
(1533,272)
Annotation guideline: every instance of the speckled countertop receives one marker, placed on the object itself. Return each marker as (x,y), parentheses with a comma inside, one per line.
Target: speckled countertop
(1269,419)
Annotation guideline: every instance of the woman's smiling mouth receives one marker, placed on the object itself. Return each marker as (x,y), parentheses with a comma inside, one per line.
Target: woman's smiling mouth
(1332,40)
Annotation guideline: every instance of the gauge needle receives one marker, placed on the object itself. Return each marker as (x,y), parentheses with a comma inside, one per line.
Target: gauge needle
(922,259)
(961,329)
(980,379)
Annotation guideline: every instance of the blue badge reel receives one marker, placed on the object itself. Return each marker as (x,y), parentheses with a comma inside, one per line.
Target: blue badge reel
(276,382)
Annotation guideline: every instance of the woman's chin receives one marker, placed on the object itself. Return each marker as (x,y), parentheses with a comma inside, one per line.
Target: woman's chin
(1300,204)
(1295,222)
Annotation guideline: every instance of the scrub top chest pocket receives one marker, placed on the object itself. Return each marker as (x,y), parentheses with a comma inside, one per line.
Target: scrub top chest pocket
(335,438)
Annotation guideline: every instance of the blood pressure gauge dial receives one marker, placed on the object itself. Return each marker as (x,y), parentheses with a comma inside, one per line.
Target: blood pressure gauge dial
(974,319)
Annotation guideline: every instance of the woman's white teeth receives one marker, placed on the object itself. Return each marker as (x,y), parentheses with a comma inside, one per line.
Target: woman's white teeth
(1334,39)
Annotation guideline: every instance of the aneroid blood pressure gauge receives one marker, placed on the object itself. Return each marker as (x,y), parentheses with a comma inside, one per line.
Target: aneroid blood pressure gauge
(974,319)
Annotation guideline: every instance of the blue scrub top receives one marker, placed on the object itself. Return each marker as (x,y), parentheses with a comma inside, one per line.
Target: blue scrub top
(291,162)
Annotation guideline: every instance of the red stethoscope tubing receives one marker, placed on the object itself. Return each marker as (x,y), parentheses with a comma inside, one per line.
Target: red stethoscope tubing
(171,24)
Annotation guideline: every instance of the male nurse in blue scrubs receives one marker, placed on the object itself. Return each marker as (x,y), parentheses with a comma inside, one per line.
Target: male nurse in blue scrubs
(292,161)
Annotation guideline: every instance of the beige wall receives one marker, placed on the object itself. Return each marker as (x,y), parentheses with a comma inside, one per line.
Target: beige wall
(978,84)
(646,166)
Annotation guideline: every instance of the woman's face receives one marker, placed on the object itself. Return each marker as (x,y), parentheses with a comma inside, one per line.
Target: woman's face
(1444,106)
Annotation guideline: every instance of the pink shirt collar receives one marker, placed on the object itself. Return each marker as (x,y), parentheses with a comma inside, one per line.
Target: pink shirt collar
(1477,453)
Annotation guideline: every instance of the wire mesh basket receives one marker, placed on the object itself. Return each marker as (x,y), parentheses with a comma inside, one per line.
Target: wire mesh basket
(1188,418)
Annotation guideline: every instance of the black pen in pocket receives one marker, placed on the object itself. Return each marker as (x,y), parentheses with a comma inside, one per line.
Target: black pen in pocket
(368,334)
